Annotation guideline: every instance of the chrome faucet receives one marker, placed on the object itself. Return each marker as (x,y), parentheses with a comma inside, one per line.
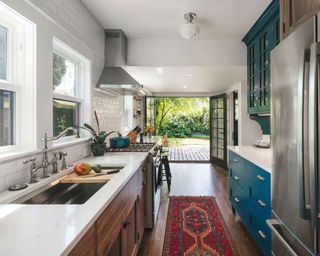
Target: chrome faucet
(45,162)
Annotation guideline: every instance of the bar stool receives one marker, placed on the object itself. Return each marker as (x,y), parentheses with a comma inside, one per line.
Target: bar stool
(164,168)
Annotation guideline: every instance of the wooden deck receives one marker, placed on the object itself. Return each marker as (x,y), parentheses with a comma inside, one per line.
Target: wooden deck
(189,153)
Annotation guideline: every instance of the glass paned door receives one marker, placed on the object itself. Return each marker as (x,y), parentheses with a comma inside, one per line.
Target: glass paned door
(218,142)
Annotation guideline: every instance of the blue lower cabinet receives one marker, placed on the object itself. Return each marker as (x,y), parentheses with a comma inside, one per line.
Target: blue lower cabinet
(261,234)
(250,197)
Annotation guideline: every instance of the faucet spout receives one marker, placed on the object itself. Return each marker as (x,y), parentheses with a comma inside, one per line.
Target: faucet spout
(45,162)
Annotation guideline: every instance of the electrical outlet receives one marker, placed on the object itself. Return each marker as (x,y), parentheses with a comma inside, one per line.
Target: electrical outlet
(86,152)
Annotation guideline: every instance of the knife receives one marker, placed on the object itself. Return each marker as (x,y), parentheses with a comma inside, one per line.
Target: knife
(101,174)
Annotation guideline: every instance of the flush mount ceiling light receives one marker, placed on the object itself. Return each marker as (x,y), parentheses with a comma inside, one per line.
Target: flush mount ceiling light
(190,30)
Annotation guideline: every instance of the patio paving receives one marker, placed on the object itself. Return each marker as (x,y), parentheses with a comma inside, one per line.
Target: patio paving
(189,153)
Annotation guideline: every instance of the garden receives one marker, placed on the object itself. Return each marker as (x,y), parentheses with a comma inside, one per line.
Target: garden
(184,120)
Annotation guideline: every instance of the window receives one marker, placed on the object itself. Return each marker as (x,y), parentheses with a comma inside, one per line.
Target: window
(65,114)
(7,104)
(16,79)
(64,74)
(71,88)
(3,52)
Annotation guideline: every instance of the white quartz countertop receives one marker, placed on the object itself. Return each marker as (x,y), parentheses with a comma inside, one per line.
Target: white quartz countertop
(55,229)
(261,157)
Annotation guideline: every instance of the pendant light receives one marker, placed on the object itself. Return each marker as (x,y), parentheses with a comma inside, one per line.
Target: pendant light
(190,30)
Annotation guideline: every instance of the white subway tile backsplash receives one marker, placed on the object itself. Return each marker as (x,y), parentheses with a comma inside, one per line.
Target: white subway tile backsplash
(8,168)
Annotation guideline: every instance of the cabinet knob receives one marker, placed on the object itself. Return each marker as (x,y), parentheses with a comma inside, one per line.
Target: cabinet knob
(126,224)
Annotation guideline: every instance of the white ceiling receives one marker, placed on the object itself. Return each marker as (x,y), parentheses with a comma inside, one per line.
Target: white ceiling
(187,79)
(219,19)
(149,19)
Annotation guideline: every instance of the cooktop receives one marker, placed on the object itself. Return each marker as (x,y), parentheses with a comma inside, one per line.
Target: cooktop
(139,147)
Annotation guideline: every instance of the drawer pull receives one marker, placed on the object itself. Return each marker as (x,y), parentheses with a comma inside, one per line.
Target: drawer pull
(261,203)
(236,178)
(259,177)
(262,235)
(237,199)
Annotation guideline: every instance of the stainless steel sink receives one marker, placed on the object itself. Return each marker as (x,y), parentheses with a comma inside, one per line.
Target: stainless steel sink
(62,193)
(66,193)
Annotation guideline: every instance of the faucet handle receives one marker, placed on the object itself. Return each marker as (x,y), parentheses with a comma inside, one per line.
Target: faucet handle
(62,155)
(32,160)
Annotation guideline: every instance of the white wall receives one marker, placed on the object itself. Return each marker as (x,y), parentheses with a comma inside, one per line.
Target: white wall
(70,22)
(249,130)
(166,52)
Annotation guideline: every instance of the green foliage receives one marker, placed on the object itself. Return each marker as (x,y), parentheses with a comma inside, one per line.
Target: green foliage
(59,69)
(182,117)
(98,138)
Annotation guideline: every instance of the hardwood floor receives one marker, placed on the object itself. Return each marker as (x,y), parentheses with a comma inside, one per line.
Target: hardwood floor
(196,180)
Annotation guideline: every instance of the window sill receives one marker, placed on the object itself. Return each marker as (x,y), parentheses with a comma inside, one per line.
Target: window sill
(13,155)
(68,143)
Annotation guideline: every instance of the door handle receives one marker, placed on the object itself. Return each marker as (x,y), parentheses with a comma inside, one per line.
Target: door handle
(237,199)
(262,235)
(261,203)
(259,177)
(301,129)
(236,178)
(272,225)
(313,133)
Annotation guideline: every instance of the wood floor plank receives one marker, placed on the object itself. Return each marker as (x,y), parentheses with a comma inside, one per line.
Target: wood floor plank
(197,180)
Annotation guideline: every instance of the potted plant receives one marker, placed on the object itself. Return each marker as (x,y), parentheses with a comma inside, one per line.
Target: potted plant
(98,146)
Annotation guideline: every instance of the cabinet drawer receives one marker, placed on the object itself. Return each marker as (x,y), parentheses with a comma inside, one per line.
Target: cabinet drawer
(258,177)
(261,199)
(237,174)
(238,200)
(236,160)
(261,234)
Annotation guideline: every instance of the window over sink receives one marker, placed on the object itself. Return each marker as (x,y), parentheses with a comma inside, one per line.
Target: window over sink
(70,87)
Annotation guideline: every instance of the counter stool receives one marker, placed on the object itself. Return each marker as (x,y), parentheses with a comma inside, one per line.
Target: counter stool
(164,169)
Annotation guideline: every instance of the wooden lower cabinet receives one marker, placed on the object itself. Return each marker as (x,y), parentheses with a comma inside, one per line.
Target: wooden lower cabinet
(119,229)
(116,247)
(140,217)
(86,246)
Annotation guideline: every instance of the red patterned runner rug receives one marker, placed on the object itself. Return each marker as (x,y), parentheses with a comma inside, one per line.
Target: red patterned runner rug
(196,227)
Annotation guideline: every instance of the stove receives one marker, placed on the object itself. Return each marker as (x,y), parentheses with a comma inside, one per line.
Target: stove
(139,147)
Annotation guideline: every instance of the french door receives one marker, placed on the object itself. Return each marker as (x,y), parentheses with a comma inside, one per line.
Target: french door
(218,130)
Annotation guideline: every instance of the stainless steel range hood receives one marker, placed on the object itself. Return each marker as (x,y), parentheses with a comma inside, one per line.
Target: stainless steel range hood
(114,77)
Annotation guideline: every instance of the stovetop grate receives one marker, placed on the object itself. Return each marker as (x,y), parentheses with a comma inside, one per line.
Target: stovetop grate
(139,147)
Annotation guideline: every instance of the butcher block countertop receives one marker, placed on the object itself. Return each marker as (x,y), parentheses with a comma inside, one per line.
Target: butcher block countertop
(53,230)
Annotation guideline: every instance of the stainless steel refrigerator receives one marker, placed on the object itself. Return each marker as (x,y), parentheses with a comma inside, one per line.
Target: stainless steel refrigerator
(295,67)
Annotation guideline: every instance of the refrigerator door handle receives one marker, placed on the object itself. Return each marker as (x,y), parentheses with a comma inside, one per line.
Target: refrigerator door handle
(302,81)
(272,225)
(313,132)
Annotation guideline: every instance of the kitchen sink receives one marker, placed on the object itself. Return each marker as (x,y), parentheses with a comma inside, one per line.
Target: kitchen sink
(62,193)
(70,192)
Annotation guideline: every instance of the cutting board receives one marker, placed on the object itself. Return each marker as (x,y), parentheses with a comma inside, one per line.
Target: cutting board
(91,177)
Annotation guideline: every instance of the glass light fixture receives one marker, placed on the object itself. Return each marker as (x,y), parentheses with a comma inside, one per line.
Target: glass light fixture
(190,30)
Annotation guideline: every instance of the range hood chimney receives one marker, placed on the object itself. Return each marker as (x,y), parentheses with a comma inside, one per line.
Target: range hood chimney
(114,77)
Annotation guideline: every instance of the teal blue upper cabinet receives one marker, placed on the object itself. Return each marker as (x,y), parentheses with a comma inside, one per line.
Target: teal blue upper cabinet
(260,40)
